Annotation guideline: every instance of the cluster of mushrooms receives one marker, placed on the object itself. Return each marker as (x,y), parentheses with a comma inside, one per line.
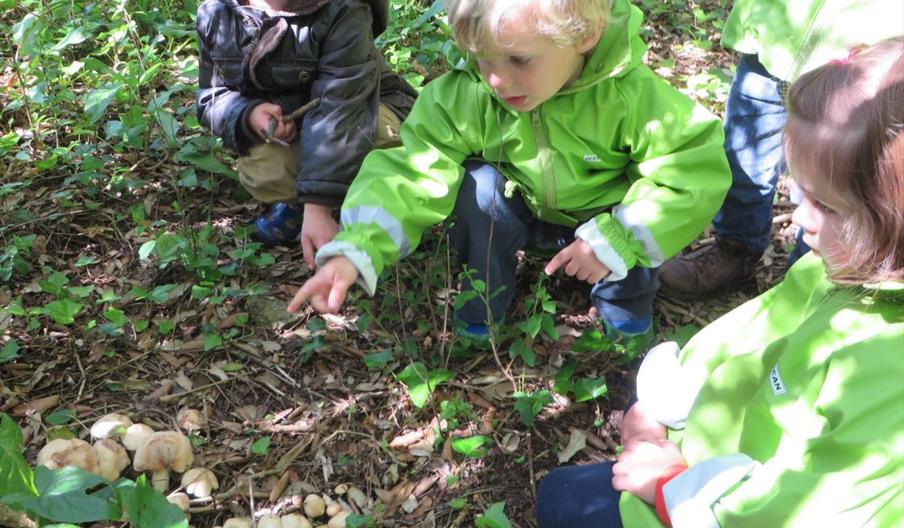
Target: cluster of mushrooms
(315,507)
(157,452)
(161,452)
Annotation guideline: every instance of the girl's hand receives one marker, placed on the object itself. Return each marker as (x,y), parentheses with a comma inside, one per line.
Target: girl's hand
(260,122)
(579,261)
(317,228)
(641,464)
(327,288)
(638,425)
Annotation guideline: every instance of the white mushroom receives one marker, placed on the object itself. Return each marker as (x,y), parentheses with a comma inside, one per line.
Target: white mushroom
(237,522)
(269,521)
(110,426)
(181,500)
(333,509)
(190,420)
(295,520)
(339,520)
(162,452)
(73,452)
(136,435)
(314,506)
(199,482)
(111,458)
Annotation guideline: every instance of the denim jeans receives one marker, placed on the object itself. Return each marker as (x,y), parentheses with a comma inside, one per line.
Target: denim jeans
(578,496)
(490,228)
(754,117)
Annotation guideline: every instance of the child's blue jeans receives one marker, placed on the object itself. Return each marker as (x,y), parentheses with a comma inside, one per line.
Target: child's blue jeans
(754,118)
(578,497)
(490,228)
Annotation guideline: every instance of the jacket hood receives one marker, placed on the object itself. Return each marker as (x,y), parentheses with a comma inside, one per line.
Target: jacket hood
(619,50)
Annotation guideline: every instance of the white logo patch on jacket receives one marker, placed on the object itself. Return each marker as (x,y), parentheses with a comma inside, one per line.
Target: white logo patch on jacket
(775,380)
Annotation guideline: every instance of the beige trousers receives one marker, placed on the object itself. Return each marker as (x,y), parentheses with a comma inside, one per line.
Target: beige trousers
(269,170)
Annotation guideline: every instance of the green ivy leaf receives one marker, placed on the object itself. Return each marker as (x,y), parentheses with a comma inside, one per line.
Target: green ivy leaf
(148,508)
(63,311)
(521,349)
(261,446)
(590,388)
(62,497)
(563,380)
(421,383)
(10,351)
(212,341)
(593,341)
(60,417)
(146,249)
(494,517)
(359,521)
(472,446)
(458,503)
(378,359)
(530,405)
(97,100)
(15,474)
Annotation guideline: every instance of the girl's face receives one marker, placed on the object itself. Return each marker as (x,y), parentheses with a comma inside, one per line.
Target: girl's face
(820,215)
(526,69)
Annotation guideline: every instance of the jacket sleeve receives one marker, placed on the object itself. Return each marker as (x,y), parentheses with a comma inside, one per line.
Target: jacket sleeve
(848,473)
(679,176)
(219,108)
(337,135)
(400,192)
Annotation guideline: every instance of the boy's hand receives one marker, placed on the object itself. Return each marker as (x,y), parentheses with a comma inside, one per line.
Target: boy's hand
(327,288)
(638,425)
(641,464)
(260,122)
(579,261)
(317,228)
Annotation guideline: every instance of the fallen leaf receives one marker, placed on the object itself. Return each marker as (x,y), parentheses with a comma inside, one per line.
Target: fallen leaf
(576,441)
(36,406)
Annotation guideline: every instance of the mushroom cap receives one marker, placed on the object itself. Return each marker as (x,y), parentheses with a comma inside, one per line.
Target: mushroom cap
(110,426)
(295,520)
(162,451)
(179,499)
(73,452)
(314,506)
(269,521)
(111,458)
(199,482)
(237,522)
(136,435)
(338,521)
(190,420)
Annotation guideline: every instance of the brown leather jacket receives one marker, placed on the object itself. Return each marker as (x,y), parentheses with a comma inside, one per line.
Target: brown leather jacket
(324,49)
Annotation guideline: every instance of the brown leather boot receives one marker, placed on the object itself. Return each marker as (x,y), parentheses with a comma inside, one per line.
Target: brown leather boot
(723,266)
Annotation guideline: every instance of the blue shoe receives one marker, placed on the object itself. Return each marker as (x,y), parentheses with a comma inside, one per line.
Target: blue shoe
(634,336)
(472,334)
(280,225)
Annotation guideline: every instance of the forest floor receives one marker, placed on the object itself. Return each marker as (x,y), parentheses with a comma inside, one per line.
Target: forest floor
(309,401)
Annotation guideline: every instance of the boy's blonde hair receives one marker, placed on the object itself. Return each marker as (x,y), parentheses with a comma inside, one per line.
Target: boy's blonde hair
(476,23)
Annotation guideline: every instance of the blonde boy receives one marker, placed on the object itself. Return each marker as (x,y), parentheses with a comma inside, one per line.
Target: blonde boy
(554,134)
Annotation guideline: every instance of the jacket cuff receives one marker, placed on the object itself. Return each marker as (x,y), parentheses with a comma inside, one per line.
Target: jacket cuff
(665,387)
(367,276)
(603,250)
(659,499)
(689,496)
(244,135)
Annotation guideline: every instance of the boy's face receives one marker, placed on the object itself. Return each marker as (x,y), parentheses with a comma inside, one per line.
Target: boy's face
(526,69)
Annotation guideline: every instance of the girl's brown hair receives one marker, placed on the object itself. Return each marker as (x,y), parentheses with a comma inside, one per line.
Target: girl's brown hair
(846,120)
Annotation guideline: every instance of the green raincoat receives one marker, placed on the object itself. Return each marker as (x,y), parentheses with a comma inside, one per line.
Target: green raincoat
(793,37)
(796,410)
(639,164)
